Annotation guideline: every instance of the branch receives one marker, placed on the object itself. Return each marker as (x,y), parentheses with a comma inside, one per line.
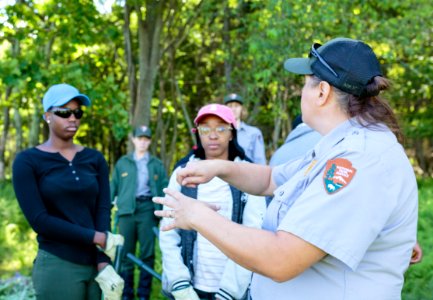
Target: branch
(182,32)
(185,113)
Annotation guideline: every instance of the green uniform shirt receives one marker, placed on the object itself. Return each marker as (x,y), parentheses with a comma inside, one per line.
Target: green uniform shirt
(124,182)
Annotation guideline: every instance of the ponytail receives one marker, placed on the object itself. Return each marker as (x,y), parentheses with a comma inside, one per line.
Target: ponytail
(369,108)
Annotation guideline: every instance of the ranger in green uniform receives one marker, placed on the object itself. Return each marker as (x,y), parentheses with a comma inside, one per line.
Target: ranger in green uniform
(137,177)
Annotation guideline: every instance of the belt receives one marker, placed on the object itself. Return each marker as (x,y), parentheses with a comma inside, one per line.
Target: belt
(143,198)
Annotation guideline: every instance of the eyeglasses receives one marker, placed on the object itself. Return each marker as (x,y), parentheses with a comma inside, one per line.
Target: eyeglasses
(204,130)
(65,113)
(316,54)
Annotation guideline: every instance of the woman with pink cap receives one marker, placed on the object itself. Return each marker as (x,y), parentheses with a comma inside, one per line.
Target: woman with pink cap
(194,268)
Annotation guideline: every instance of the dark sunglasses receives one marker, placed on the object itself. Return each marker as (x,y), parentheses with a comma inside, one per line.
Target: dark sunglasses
(316,54)
(67,112)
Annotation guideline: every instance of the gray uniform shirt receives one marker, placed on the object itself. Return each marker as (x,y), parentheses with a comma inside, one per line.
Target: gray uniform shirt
(300,140)
(142,175)
(250,138)
(355,197)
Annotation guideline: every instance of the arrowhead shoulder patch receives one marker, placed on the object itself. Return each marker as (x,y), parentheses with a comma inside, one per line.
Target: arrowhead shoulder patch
(338,174)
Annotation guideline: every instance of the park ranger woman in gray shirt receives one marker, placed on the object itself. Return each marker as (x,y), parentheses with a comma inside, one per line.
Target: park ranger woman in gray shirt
(343,220)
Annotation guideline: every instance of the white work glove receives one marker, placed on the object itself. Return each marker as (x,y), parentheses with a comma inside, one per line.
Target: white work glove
(110,283)
(187,293)
(113,240)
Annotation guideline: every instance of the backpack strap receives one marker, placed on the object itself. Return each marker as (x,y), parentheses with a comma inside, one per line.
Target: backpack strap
(239,201)
(188,237)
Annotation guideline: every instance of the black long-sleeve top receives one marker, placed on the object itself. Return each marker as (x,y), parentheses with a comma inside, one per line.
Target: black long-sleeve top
(64,201)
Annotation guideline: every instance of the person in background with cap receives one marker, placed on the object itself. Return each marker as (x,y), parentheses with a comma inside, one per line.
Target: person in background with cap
(137,177)
(250,138)
(343,220)
(63,190)
(193,268)
(300,140)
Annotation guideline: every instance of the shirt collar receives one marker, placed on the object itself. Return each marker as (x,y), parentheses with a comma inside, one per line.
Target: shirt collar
(144,158)
(241,125)
(334,137)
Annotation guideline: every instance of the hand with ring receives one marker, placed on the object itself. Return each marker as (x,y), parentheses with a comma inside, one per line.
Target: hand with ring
(184,211)
(198,172)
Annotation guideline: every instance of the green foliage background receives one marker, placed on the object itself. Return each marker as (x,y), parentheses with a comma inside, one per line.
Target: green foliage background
(209,48)
(419,277)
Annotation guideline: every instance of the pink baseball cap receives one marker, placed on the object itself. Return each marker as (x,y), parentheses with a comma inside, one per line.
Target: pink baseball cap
(219,110)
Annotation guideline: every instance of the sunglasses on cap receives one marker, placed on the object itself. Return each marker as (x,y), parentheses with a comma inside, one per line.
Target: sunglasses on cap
(65,113)
(316,54)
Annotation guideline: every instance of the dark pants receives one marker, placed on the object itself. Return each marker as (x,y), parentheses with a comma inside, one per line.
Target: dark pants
(205,295)
(138,228)
(55,278)
(202,295)
(211,296)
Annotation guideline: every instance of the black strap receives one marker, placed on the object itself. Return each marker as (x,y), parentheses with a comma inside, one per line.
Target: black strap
(143,198)
(188,237)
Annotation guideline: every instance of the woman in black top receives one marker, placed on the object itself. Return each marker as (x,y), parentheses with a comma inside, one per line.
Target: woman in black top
(63,191)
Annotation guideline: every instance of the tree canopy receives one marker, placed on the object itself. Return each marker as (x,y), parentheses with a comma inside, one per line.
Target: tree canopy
(157,62)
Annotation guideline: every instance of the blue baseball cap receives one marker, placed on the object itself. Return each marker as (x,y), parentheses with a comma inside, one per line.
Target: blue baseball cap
(60,94)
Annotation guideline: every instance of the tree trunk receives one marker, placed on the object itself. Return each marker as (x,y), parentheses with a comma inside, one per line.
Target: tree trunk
(185,114)
(149,34)
(419,154)
(227,46)
(129,58)
(4,135)
(34,128)
(160,129)
(276,134)
(19,131)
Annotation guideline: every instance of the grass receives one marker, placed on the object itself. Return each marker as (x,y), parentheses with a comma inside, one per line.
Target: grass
(18,249)
(17,241)
(419,277)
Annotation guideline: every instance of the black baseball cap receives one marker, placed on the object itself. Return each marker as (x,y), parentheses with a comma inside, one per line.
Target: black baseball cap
(142,131)
(345,63)
(233,98)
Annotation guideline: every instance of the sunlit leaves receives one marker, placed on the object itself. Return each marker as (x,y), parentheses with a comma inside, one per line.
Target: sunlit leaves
(71,41)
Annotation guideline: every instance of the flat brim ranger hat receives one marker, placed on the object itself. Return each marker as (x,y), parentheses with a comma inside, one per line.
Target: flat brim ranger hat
(233,97)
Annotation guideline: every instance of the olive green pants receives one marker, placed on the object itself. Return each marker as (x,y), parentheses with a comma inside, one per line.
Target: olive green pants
(55,278)
(137,228)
